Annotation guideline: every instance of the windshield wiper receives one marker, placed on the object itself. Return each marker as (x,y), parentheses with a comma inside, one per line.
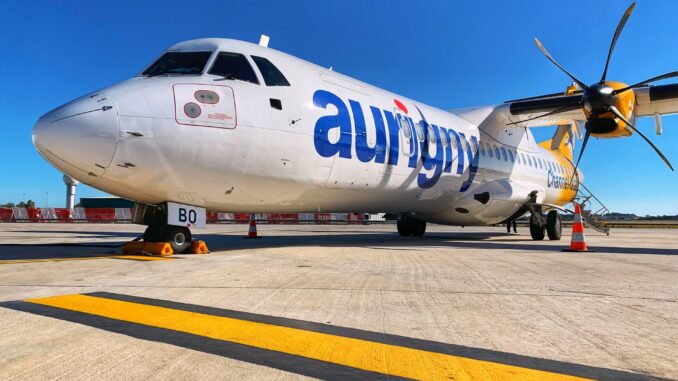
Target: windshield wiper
(224,77)
(169,73)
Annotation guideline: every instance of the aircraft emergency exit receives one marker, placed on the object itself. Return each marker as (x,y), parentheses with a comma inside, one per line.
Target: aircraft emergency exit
(225,125)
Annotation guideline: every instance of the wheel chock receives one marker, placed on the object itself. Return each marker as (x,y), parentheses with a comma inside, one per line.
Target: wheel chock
(133,247)
(198,247)
(162,249)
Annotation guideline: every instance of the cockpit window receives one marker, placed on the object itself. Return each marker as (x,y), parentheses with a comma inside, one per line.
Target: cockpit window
(178,63)
(272,76)
(234,66)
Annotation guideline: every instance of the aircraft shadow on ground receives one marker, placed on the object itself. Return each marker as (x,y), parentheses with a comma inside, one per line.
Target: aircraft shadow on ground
(315,237)
(471,240)
(84,244)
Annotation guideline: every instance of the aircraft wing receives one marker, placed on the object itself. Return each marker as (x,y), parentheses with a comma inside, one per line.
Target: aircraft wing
(659,100)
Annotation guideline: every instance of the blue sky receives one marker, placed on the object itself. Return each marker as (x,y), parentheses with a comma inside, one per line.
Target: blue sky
(443,53)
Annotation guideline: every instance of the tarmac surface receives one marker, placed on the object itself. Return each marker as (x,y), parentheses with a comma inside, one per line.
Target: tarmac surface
(337,302)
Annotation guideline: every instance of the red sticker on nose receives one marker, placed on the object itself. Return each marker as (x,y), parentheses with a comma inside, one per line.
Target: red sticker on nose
(400,105)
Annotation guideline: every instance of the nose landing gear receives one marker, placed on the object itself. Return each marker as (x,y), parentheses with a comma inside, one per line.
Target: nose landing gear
(179,238)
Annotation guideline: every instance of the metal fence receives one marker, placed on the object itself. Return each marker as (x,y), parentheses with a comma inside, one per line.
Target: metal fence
(124,215)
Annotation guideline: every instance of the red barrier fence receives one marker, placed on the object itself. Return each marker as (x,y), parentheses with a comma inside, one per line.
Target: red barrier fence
(124,215)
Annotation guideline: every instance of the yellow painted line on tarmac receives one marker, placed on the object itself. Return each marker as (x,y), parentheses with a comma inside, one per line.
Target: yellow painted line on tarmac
(37,260)
(361,354)
(143,257)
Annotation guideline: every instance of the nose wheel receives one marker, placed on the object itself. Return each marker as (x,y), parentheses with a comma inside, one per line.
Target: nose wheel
(179,237)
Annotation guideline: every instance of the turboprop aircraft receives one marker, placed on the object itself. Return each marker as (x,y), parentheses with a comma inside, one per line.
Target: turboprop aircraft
(225,125)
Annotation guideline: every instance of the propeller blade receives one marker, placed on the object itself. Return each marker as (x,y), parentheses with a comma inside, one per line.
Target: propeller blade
(617,32)
(546,53)
(554,112)
(581,153)
(620,116)
(645,82)
(546,96)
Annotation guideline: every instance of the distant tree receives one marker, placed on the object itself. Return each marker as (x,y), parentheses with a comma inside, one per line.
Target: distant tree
(8,205)
(78,205)
(30,204)
(22,204)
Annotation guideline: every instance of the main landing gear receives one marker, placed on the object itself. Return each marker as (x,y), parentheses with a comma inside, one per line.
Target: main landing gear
(541,225)
(409,226)
(158,230)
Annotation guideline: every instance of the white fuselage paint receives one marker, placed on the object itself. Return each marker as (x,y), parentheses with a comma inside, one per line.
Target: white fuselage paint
(243,155)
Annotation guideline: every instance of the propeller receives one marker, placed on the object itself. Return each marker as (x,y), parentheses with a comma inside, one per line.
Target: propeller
(599,98)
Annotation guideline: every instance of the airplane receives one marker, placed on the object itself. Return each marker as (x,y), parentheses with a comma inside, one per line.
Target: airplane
(225,125)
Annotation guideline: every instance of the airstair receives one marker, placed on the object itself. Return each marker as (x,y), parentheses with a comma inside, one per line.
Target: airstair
(593,211)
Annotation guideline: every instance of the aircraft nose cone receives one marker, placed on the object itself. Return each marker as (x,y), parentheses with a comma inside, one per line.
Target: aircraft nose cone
(79,138)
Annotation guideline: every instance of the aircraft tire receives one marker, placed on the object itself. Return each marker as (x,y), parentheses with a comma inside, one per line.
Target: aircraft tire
(153,233)
(403,228)
(179,237)
(537,227)
(418,227)
(554,225)
(411,227)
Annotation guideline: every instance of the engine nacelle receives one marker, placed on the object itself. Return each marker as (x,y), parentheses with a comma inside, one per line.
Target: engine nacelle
(607,125)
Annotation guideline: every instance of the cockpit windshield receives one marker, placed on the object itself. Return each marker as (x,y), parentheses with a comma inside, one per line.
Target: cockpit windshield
(178,63)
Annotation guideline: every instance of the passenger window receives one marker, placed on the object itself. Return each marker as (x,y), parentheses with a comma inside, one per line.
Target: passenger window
(482,148)
(489,150)
(420,131)
(234,66)
(431,135)
(496,152)
(503,152)
(511,156)
(443,139)
(272,76)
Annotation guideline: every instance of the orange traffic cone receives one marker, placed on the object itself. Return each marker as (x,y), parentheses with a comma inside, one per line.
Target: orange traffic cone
(578,242)
(252,233)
